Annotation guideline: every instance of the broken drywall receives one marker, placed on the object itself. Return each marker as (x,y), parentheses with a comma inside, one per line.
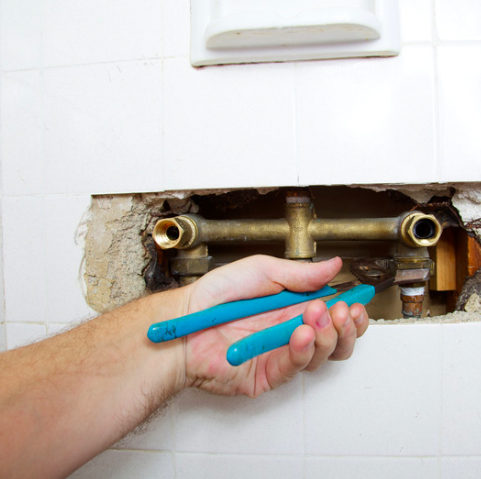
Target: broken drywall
(465,198)
(115,255)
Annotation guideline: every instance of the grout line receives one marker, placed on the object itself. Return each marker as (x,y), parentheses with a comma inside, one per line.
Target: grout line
(163,162)
(295,106)
(327,456)
(441,389)
(438,151)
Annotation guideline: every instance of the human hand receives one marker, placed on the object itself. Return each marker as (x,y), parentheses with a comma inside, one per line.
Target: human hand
(324,334)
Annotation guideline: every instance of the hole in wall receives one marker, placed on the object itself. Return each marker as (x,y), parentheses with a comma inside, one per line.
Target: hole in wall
(122,261)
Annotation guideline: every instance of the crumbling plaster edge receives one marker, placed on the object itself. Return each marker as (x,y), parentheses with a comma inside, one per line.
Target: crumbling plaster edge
(457,317)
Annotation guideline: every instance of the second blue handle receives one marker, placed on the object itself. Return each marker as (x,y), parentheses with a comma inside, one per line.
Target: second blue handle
(279,335)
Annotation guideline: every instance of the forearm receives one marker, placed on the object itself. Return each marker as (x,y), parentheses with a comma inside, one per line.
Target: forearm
(74,395)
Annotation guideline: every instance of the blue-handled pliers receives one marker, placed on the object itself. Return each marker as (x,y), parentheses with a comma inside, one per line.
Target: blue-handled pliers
(267,339)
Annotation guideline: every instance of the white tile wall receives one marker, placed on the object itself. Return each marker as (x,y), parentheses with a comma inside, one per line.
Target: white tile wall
(3,337)
(79,32)
(176,28)
(457,467)
(461,419)
(213,141)
(372,467)
(99,97)
(21,334)
(155,435)
(43,259)
(416,20)
(24,258)
(356,120)
(127,465)
(460,107)
(378,396)
(21,120)
(459,20)
(65,301)
(103,128)
(272,424)
(218,466)
(21,34)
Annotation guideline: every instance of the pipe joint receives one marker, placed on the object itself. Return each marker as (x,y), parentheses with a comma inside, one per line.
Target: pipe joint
(420,230)
(180,232)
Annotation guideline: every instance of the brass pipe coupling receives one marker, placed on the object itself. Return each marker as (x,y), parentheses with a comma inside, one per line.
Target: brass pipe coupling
(300,230)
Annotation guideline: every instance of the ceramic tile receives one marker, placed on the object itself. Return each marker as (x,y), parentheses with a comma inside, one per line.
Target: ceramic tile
(20,34)
(127,465)
(21,117)
(228,126)
(458,20)
(460,112)
(384,401)
(21,334)
(57,328)
(156,435)
(23,256)
(92,31)
(461,420)
(371,467)
(103,128)
(416,20)
(367,120)
(3,337)
(207,466)
(460,467)
(270,424)
(64,254)
(176,28)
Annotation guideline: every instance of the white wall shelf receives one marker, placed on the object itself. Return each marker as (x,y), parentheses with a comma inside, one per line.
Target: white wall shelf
(248,31)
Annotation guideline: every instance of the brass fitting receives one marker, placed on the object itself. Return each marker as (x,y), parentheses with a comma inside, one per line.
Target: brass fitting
(190,264)
(300,244)
(420,230)
(179,232)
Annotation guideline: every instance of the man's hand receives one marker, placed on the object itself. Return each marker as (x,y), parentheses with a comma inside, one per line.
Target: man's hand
(324,335)
(70,397)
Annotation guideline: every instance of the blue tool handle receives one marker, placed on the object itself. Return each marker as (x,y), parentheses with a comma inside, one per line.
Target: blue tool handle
(223,313)
(279,335)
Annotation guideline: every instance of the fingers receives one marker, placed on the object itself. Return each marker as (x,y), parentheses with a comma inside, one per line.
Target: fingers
(360,317)
(319,319)
(335,330)
(324,335)
(297,276)
(283,364)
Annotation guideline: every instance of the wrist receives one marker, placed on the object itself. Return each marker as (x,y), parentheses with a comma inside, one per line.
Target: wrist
(167,365)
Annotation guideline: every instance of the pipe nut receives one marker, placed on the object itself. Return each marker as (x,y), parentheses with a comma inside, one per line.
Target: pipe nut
(179,232)
(420,230)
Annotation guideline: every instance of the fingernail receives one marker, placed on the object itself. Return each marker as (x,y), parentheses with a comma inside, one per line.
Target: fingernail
(324,320)
(308,346)
(332,260)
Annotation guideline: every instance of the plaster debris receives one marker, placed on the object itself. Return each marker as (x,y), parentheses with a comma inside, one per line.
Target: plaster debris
(419,193)
(118,247)
(115,257)
(465,197)
(473,304)
(467,200)
(456,317)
